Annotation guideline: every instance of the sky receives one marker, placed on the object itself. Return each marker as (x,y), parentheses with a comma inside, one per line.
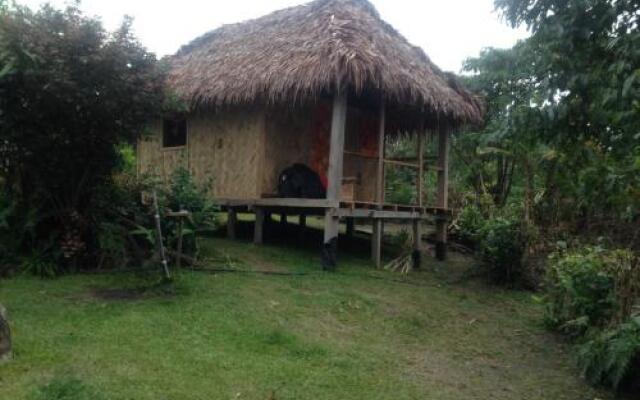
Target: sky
(449,31)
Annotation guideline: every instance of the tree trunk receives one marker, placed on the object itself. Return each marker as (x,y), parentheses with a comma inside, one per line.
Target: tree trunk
(5,336)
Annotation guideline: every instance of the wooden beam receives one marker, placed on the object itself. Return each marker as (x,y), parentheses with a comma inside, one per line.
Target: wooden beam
(258,228)
(376,243)
(376,237)
(401,163)
(334,178)
(381,144)
(277,202)
(443,195)
(350,228)
(420,168)
(232,220)
(417,243)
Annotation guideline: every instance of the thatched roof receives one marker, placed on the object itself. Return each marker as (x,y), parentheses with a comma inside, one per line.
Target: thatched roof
(302,52)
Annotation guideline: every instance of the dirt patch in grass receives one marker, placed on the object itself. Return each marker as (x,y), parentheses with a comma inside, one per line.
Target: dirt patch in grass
(128,294)
(105,294)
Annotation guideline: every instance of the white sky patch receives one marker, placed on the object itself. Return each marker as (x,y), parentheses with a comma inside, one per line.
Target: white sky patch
(448,30)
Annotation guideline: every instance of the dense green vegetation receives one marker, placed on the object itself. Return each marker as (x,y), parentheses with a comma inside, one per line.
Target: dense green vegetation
(73,100)
(70,92)
(555,172)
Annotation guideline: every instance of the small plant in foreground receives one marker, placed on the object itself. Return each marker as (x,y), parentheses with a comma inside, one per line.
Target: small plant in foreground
(66,389)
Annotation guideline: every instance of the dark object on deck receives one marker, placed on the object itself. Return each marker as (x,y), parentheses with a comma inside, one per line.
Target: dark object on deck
(330,255)
(5,336)
(300,181)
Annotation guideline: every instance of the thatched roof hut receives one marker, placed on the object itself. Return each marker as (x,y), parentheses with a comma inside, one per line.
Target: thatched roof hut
(303,52)
(322,84)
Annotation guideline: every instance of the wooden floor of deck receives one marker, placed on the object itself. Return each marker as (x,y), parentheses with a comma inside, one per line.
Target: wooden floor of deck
(343,209)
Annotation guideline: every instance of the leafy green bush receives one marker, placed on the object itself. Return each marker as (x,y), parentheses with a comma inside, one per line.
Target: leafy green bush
(588,288)
(469,224)
(502,245)
(184,194)
(87,91)
(592,295)
(613,357)
(38,265)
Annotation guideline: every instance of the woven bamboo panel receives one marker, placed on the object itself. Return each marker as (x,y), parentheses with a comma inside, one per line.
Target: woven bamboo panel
(155,160)
(226,148)
(224,151)
(288,140)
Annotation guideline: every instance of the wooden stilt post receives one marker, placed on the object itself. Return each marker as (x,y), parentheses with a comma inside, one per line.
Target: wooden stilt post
(258,228)
(232,219)
(376,243)
(417,243)
(420,183)
(302,226)
(376,237)
(351,227)
(334,179)
(417,232)
(443,195)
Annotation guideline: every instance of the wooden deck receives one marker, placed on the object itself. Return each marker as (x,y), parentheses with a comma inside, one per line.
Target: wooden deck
(351,209)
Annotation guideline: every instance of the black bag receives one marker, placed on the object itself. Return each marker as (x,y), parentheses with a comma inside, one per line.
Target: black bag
(300,181)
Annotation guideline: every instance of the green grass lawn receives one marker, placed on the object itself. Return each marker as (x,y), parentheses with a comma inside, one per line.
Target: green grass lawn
(353,334)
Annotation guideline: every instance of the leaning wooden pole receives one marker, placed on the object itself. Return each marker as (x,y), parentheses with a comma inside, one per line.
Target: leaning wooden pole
(376,236)
(159,244)
(443,194)
(334,180)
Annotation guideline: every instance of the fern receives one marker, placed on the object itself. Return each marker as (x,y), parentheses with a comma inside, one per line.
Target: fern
(612,356)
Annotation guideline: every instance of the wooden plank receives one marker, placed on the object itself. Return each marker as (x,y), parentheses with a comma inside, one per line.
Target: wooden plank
(401,163)
(258,228)
(379,214)
(232,219)
(360,154)
(277,202)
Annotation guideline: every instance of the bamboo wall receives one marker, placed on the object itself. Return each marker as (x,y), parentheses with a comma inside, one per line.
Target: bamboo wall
(288,140)
(242,152)
(223,150)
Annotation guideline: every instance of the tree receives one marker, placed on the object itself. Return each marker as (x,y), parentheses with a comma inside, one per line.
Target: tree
(587,56)
(69,92)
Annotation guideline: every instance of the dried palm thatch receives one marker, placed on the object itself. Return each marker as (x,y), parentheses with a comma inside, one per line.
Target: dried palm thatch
(303,52)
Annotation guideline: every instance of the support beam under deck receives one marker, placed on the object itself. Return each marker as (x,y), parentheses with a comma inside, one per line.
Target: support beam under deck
(378,226)
(443,194)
